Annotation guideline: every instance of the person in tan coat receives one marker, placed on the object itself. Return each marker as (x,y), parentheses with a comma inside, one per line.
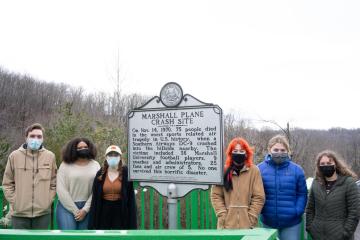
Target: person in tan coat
(29,181)
(239,201)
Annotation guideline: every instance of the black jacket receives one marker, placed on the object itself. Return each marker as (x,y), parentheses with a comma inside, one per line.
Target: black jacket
(333,216)
(128,208)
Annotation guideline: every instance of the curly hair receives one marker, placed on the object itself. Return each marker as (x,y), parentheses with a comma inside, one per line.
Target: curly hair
(69,152)
(340,166)
(245,146)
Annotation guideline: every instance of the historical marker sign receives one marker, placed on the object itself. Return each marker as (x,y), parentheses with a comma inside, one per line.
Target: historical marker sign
(178,145)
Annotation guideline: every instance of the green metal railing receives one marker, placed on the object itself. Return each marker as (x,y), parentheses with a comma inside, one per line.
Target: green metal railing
(254,234)
(3,203)
(194,211)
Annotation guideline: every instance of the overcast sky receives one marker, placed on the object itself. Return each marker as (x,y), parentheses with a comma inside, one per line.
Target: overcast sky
(284,61)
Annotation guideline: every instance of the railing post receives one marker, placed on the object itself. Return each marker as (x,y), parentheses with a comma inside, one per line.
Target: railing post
(188,211)
(202,210)
(1,202)
(142,200)
(207,209)
(160,217)
(179,214)
(151,215)
(194,209)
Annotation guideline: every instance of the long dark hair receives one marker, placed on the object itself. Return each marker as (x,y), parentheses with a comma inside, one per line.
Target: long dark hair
(69,152)
(340,165)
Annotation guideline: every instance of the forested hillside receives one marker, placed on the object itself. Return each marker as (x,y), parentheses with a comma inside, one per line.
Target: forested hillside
(67,112)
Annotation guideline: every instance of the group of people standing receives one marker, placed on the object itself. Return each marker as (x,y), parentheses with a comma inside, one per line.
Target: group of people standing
(276,191)
(101,197)
(90,196)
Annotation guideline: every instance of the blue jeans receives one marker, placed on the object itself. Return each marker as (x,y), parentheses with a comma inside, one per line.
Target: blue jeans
(66,219)
(289,233)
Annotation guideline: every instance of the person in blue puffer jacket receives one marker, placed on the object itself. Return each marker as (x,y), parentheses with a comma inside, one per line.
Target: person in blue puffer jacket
(285,190)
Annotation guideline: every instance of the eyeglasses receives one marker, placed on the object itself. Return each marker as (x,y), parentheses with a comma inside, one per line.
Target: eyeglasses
(35,136)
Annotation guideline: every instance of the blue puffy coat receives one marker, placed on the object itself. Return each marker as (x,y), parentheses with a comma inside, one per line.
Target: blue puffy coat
(285,193)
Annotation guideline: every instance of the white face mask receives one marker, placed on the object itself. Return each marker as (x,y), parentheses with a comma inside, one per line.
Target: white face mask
(113,161)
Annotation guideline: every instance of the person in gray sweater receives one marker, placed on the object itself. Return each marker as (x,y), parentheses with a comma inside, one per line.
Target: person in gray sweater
(333,208)
(74,184)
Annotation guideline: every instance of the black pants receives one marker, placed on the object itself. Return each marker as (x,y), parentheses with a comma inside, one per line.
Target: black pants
(111,216)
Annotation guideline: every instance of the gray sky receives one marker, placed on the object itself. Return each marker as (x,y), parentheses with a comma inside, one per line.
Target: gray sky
(286,61)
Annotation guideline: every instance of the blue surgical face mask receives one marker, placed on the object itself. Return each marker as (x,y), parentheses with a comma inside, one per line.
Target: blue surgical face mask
(113,161)
(34,143)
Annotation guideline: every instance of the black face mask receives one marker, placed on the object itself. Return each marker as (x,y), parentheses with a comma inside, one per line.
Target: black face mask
(328,170)
(83,153)
(279,158)
(239,159)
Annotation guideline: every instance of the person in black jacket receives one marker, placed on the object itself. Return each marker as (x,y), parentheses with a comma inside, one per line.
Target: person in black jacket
(332,212)
(357,231)
(113,204)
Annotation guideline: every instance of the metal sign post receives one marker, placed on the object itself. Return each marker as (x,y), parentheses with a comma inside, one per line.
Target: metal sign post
(175,145)
(172,205)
